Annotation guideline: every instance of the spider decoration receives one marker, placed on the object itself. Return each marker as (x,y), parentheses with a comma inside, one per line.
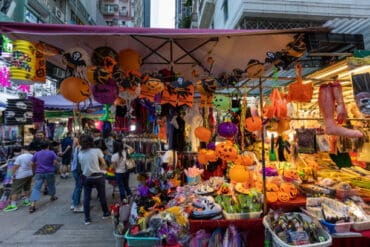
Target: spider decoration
(127,80)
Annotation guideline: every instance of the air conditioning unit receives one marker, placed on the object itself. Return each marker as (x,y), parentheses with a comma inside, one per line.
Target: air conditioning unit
(59,14)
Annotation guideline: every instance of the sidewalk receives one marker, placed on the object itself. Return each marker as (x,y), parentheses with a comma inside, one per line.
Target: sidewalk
(18,228)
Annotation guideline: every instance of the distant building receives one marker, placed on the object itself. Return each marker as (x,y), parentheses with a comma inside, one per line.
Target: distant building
(126,13)
(273,14)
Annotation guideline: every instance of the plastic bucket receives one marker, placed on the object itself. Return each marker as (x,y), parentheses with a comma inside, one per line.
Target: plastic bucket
(120,240)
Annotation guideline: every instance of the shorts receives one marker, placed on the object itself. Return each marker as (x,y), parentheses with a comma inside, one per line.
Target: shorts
(66,161)
(21,184)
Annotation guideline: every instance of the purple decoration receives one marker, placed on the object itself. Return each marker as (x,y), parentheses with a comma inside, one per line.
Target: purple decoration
(227,129)
(270,172)
(105,93)
(38,109)
(211,145)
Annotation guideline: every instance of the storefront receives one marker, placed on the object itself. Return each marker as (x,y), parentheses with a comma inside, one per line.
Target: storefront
(241,139)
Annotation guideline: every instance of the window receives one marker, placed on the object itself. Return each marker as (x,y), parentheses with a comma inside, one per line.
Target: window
(225,9)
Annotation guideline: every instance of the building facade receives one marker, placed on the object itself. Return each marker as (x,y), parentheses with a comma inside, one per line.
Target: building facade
(126,13)
(273,14)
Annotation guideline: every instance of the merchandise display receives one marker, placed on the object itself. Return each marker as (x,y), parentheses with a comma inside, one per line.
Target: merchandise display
(220,158)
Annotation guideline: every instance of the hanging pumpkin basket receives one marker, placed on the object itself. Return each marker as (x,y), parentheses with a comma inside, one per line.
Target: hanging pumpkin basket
(297,91)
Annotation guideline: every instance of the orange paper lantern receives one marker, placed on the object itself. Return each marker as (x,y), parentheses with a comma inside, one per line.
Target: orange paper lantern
(75,89)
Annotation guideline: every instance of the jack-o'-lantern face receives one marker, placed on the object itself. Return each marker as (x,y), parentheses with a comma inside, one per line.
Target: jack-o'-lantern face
(75,89)
(154,85)
(271,197)
(272,187)
(226,151)
(290,175)
(109,63)
(283,197)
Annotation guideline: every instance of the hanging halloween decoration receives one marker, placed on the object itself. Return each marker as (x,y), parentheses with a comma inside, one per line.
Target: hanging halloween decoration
(76,61)
(202,159)
(297,91)
(231,79)
(47,49)
(207,86)
(40,68)
(227,130)
(128,96)
(100,53)
(129,60)
(105,93)
(245,159)
(221,102)
(4,77)
(98,75)
(253,123)
(154,85)
(23,61)
(178,93)
(331,100)
(127,80)
(255,69)
(226,151)
(203,134)
(297,47)
(75,89)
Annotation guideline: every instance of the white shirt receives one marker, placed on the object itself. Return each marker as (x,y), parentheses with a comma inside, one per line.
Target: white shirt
(89,160)
(120,163)
(25,167)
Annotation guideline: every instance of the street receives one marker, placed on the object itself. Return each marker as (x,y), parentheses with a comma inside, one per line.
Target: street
(20,228)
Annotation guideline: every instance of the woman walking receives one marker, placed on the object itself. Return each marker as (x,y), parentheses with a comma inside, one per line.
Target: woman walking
(77,175)
(92,166)
(122,174)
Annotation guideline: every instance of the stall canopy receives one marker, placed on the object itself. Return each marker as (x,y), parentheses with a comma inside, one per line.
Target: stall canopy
(58,102)
(179,50)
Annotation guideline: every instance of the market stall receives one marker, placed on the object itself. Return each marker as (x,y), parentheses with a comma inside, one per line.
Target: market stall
(237,146)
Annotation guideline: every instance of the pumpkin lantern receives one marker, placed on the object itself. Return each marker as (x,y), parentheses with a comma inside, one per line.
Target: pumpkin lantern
(226,151)
(75,89)
(245,160)
(211,155)
(283,196)
(253,123)
(202,158)
(154,85)
(239,174)
(203,134)
(227,130)
(271,197)
(129,60)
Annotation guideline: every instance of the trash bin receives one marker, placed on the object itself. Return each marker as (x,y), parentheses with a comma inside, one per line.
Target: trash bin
(120,240)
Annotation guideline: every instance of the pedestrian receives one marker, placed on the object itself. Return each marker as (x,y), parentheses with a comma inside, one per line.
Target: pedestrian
(22,178)
(77,176)
(35,146)
(122,174)
(44,164)
(93,167)
(66,145)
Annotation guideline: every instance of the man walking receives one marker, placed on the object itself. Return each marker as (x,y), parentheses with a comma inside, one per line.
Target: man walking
(43,164)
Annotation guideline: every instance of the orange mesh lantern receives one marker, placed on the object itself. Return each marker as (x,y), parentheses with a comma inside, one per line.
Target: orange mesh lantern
(297,91)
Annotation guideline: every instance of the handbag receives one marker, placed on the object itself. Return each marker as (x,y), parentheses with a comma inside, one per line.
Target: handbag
(130,164)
